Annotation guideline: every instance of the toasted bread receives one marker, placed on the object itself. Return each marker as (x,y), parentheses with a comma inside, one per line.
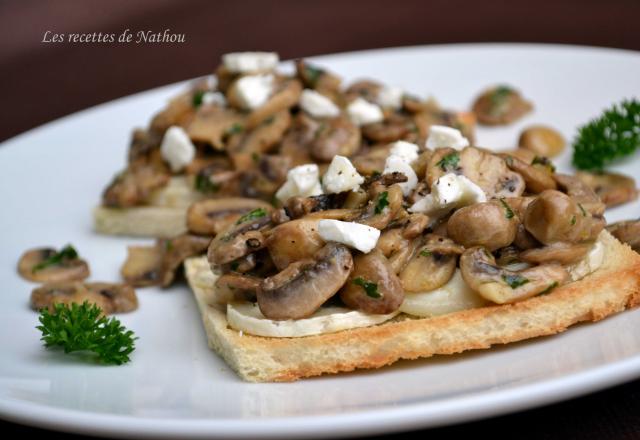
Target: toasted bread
(614,287)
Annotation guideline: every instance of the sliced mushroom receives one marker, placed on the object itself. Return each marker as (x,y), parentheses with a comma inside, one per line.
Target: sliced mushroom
(554,216)
(213,125)
(236,287)
(542,141)
(286,95)
(179,111)
(390,241)
(143,266)
(336,136)
(384,205)
(238,240)
(111,298)
(559,252)
(178,249)
(581,193)
(490,224)
(500,105)
(370,161)
(432,265)
(212,216)
(612,188)
(300,289)
(294,241)
(366,89)
(416,224)
(373,286)
(536,179)
(46,265)
(319,79)
(135,185)
(627,232)
(296,142)
(502,286)
(143,143)
(395,127)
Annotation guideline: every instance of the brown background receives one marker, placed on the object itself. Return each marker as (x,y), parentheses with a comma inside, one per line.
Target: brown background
(40,82)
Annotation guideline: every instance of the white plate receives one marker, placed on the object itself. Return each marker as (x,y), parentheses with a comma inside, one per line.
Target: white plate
(51,177)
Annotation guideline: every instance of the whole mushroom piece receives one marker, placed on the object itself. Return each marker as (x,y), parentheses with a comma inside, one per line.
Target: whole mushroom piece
(490,224)
(111,298)
(46,265)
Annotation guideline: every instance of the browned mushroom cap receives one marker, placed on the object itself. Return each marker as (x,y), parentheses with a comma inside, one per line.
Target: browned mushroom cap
(336,136)
(490,224)
(500,105)
(319,79)
(212,216)
(581,193)
(143,266)
(480,271)
(46,265)
(286,95)
(490,173)
(240,239)
(179,111)
(213,125)
(300,289)
(295,143)
(394,127)
(366,89)
(612,188)
(541,141)
(111,298)
(236,287)
(416,224)
(560,252)
(413,104)
(143,143)
(178,249)
(627,232)
(537,179)
(431,266)
(293,241)
(391,241)
(383,206)
(554,216)
(372,160)
(122,296)
(373,286)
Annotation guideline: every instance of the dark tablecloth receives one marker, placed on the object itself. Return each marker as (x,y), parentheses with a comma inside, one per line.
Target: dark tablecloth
(43,81)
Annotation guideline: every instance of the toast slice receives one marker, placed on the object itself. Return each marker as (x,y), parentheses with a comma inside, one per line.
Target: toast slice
(614,287)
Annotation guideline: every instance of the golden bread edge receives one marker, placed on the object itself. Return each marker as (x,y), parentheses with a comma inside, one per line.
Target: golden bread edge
(614,287)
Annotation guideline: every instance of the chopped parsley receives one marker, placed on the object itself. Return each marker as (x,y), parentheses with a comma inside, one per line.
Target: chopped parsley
(449,162)
(65,254)
(234,265)
(499,98)
(550,288)
(255,157)
(371,289)
(168,245)
(573,220)
(426,253)
(508,211)
(584,213)
(541,160)
(235,129)
(205,185)
(252,215)
(382,202)
(514,281)
(197,98)
(313,74)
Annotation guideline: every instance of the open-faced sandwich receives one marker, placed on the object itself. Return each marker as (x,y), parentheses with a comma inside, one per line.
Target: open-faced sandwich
(237,134)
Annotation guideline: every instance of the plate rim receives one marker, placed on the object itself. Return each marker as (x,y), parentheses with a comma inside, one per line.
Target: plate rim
(378,421)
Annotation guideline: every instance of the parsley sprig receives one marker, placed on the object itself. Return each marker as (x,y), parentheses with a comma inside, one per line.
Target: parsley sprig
(449,162)
(382,202)
(82,328)
(515,281)
(65,254)
(252,215)
(370,288)
(615,134)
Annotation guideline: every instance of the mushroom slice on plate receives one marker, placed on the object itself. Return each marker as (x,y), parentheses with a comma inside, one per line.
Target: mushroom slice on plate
(612,188)
(537,179)
(500,285)
(627,232)
(432,265)
(500,105)
(239,239)
(384,205)
(46,265)
(236,287)
(122,296)
(143,266)
(212,216)
(581,193)
(293,241)
(111,298)
(305,285)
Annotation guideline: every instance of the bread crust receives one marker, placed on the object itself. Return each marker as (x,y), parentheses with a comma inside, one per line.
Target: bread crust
(614,287)
(141,221)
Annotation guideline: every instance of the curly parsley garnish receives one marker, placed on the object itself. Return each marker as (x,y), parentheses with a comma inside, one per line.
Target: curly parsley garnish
(65,254)
(449,162)
(82,328)
(252,215)
(515,281)
(382,202)
(371,289)
(615,134)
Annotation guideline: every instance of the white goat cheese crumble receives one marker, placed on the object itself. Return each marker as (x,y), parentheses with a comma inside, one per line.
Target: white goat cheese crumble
(355,235)
(341,176)
(362,112)
(301,181)
(248,62)
(399,164)
(318,105)
(390,97)
(217,98)
(177,149)
(254,90)
(449,192)
(406,150)
(441,136)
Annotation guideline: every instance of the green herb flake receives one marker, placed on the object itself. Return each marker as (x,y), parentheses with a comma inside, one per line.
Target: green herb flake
(65,254)
(449,162)
(313,74)
(371,289)
(573,220)
(255,157)
(269,120)
(584,213)
(549,288)
(499,99)
(252,215)
(168,245)
(235,129)
(514,281)
(426,253)
(205,185)
(508,211)
(381,202)
(83,328)
(234,265)
(197,98)
(613,135)
(541,160)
